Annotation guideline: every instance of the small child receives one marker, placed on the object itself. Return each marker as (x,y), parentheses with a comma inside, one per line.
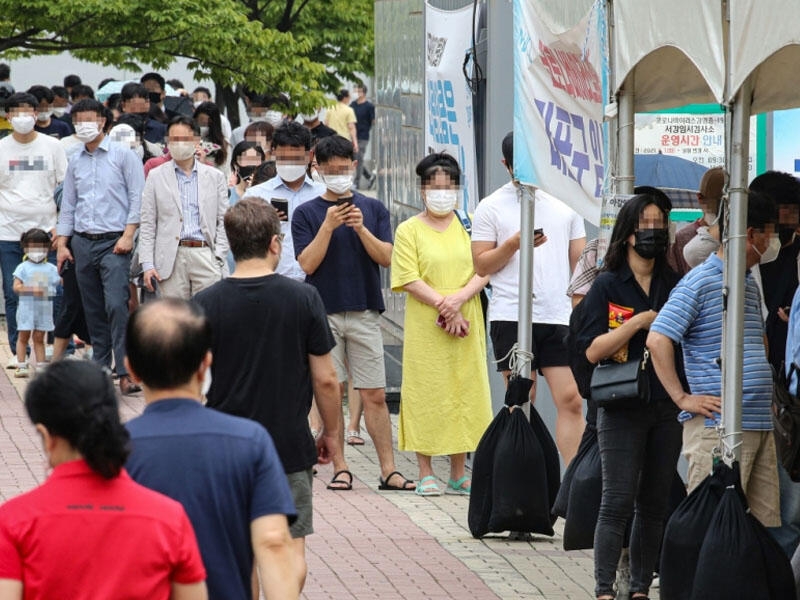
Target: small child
(35,282)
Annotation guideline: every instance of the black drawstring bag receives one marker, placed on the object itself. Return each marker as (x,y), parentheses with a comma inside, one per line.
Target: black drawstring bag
(730,564)
(588,440)
(520,498)
(685,531)
(510,471)
(480,497)
(585,494)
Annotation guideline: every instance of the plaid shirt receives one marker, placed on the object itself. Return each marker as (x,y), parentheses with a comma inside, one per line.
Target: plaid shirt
(585,270)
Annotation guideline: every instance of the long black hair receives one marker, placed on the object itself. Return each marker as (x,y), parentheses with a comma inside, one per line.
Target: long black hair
(627,223)
(75,400)
(214,129)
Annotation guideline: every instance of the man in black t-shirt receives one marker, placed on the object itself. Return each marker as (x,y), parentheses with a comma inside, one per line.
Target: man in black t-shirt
(365,119)
(271,351)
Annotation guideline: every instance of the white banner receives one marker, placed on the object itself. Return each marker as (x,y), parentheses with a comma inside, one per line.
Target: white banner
(558,107)
(449,125)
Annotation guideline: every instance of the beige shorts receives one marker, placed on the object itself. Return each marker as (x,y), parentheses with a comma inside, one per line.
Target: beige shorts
(759,466)
(359,348)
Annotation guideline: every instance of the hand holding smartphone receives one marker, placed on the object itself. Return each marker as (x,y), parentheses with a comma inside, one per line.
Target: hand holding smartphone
(282,206)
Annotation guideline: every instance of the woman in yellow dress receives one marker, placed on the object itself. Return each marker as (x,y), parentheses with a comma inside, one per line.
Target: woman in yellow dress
(445,402)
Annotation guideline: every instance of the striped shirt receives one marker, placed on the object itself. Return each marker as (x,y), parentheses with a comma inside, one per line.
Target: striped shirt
(190,204)
(693,317)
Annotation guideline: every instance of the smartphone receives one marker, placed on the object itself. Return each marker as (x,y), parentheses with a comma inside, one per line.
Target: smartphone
(65,266)
(281,205)
(344,201)
(538,231)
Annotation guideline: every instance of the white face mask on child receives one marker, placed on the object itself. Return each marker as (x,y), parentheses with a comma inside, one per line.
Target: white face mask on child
(37,256)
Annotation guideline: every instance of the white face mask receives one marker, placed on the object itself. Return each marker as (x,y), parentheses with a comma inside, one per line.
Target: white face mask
(206,382)
(197,103)
(290,171)
(441,202)
(257,118)
(771,253)
(339,184)
(181,150)
(317,177)
(204,131)
(710,218)
(23,123)
(87,131)
(43,115)
(60,111)
(139,149)
(274,117)
(37,256)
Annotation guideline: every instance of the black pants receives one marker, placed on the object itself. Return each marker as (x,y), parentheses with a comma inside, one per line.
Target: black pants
(639,450)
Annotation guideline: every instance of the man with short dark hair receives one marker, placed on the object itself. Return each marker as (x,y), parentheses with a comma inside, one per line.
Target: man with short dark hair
(365,119)
(182,243)
(291,150)
(495,252)
(5,77)
(341,239)
(136,100)
(81,92)
(223,469)
(272,349)
(692,317)
(32,165)
(259,107)
(44,122)
(100,211)
(71,81)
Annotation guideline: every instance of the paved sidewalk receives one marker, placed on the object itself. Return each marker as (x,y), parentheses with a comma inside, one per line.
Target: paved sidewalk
(367,544)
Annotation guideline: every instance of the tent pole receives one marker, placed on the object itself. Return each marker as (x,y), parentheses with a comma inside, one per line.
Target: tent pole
(625,132)
(734,277)
(524,341)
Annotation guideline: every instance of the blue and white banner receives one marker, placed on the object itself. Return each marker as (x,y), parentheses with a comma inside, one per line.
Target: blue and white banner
(559,92)
(449,125)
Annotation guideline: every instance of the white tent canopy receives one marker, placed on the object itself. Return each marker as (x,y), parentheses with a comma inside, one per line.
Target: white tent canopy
(674,50)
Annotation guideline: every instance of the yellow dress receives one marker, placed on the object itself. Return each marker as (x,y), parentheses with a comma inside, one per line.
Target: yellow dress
(445,403)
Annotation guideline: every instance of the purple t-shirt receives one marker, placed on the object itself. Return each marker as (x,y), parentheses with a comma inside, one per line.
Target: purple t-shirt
(347,278)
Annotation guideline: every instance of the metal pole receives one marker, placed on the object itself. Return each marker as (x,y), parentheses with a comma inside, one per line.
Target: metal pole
(526,195)
(625,131)
(735,262)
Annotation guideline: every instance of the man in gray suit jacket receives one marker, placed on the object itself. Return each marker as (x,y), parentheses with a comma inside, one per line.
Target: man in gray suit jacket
(182,243)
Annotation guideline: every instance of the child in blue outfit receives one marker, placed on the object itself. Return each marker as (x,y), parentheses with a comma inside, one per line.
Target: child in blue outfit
(35,282)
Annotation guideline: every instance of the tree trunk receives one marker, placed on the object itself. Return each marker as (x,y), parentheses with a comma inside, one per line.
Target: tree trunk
(227,99)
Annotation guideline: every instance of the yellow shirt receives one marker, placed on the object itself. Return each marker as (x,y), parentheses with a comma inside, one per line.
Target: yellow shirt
(339,118)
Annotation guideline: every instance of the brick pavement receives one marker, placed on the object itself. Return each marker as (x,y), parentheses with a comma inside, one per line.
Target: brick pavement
(368,544)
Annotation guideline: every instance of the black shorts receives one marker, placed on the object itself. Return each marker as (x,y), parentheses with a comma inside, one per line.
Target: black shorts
(549,344)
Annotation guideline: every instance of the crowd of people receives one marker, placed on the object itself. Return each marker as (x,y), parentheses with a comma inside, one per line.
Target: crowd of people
(241,268)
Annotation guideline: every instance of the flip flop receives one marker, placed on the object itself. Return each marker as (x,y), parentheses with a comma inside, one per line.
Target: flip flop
(457,487)
(341,485)
(354,439)
(427,486)
(386,486)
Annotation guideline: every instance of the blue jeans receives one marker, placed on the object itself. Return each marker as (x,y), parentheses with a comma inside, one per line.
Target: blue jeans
(103,283)
(10,257)
(639,449)
(788,534)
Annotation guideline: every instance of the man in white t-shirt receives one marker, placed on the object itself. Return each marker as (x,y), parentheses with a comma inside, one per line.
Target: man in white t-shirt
(31,166)
(495,251)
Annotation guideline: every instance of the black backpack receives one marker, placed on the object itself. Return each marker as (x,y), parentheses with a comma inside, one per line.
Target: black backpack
(786,421)
(581,367)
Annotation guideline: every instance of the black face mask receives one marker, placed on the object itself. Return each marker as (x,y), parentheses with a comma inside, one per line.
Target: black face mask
(245,172)
(786,235)
(155,97)
(651,243)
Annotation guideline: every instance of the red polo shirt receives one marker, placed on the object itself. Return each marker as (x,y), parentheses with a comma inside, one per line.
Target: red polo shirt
(80,536)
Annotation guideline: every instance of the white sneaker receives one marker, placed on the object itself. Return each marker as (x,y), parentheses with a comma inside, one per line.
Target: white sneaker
(12,363)
(48,353)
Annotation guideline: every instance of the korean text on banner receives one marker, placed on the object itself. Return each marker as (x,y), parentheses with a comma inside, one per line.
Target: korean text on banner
(449,125)
(559,91)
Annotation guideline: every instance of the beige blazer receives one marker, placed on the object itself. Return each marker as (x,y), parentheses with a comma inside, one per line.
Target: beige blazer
(162,215)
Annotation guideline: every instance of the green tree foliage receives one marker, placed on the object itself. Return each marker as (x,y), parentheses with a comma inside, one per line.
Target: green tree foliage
(291,46)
